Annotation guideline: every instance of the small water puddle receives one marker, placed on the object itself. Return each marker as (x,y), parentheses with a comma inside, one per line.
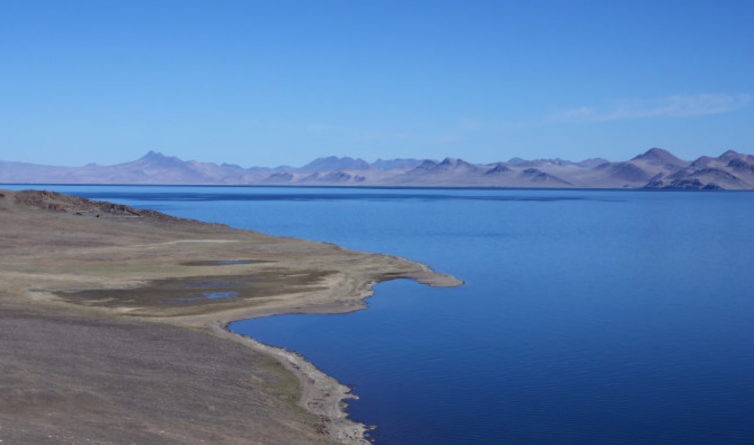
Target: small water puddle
(206,296)
(211,283)
(220,263)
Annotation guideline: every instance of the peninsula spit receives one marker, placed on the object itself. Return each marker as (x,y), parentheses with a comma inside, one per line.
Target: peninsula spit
(113,325)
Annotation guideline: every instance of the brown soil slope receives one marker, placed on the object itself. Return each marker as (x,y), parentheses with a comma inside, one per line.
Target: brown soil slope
(111,317)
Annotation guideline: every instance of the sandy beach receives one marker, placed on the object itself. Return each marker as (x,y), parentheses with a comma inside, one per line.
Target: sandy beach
(114,327)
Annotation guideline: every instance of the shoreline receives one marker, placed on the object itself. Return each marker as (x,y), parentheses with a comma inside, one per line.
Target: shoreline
(102,267)
(322,394)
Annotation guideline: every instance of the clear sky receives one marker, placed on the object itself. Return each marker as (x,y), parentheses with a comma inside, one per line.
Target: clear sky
(283,82)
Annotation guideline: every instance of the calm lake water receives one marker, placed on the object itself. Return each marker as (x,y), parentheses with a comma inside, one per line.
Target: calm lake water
(588,317)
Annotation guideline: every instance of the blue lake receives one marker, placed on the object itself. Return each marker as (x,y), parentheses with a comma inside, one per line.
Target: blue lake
(605,317)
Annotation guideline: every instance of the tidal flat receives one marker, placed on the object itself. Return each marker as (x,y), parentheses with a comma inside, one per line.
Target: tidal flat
(103,342)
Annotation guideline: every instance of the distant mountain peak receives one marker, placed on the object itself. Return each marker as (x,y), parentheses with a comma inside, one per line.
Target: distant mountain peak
(498,169)
(153,155)
(155,159)
(659,156)
(454,162)
(338,158)
(427,165)
(654,153)
(728,155)
(331,163)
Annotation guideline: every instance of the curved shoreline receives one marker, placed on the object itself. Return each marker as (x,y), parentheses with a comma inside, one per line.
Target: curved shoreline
(91,266)
(322,394)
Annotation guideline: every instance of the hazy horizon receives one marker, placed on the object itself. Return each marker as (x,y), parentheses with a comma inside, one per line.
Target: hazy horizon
(369,160)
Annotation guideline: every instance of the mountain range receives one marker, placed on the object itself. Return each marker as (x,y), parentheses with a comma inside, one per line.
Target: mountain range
(654,169)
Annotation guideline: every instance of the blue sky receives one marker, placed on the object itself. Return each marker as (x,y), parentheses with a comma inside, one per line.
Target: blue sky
(283,82)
